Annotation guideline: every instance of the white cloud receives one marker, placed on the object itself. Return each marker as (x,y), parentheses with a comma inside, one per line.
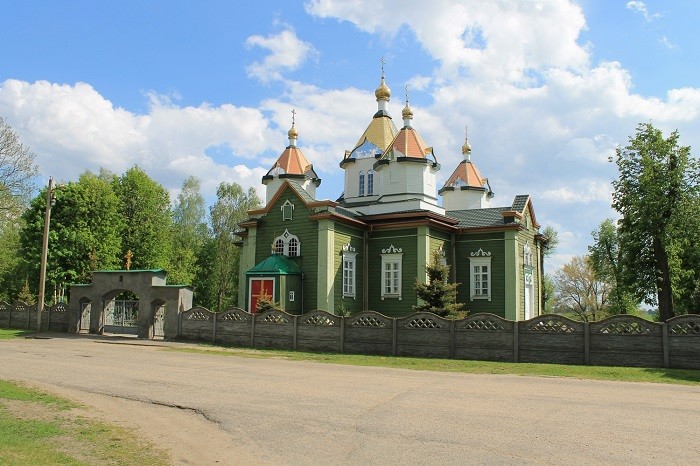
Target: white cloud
(74,128)
(287,53)
(641,8)
(666,42)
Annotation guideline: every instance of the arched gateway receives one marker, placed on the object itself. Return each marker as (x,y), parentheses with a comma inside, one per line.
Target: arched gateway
(158,303)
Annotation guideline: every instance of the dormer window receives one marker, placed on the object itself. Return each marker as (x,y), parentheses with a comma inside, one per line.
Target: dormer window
(287,244)
(287,209)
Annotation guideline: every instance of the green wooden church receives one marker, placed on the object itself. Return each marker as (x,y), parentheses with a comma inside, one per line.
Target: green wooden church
(366,250)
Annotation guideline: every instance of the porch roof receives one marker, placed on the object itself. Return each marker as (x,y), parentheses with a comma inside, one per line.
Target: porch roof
(276,264)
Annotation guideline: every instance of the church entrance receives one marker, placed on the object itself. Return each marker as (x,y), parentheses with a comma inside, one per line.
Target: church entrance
(260,287)
(121,314)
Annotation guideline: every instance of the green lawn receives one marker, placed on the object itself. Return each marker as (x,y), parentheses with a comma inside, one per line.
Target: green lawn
(626,374)
(38,428)
(6,334)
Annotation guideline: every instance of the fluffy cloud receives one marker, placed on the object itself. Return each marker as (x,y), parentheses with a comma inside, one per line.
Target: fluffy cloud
(641,8)
(287,53)
(74,126)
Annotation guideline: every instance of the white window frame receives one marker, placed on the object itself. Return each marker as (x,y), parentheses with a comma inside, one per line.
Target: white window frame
(392,276)
(349,271)
(287,210)
(370,182)
(361,189)
(286,237)
(480,259)
(527,254)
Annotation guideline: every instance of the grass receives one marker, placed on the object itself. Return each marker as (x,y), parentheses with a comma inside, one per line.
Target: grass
(38,428)
(6,334)
(622,374)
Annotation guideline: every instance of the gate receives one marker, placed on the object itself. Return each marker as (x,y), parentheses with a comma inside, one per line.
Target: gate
(85,317)
(159,321)
(121,317)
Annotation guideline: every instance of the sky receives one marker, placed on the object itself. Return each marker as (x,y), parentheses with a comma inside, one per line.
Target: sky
(548,89)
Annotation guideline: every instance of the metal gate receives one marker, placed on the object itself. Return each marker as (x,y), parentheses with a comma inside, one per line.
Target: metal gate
(121,316)
(85,317)
(158,322)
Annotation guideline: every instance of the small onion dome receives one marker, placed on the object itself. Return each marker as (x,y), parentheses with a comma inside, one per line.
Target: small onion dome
(407,112)
(383,92)
(466,148)
(293,133)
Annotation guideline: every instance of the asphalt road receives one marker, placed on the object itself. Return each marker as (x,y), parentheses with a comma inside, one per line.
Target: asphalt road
(287,412)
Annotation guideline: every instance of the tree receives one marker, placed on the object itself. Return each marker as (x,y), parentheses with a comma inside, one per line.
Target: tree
(84,235)
(190,232)
(578,290)
(657,181)
(145,209)
(609,265)
(17,172)
(438,296)
(550,241)
(231,207)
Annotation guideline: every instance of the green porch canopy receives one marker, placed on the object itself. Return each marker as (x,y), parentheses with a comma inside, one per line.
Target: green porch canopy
(276,264)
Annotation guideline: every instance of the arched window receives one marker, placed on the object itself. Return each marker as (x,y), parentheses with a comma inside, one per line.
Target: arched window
(362,183)
(370,182)
(287,244)
(293,247)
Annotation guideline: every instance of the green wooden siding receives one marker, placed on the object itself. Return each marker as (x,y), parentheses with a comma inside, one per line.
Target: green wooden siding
(346,235)
(272,226)
(405,240)
(493,243)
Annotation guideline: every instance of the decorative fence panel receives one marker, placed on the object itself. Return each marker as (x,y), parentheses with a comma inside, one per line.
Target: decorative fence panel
(197,324)
(57,318)
(369,332)
(319,331)
(626,341)
(424,334)
(274,329)
(552,339)
(484,337)
(23,316)
(684,341)
(233,327)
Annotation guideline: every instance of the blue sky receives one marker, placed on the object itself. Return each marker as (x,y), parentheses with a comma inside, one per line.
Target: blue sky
(548,88)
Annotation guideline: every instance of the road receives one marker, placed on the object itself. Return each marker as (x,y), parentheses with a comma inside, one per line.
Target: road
(231,410)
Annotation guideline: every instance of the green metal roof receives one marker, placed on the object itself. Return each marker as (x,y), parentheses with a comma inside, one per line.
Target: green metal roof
(276,264)
(131,271)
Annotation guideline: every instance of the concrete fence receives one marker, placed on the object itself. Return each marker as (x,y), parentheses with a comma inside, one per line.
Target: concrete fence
(23,316)
(617,341)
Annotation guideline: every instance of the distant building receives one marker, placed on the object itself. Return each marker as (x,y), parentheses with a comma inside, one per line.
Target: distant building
(367,249)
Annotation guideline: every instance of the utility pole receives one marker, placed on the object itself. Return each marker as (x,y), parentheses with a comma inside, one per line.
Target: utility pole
(50,200)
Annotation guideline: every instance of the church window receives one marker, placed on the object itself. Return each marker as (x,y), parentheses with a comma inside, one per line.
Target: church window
(362,183)
(391,272)
(370,182)
(287,209)
(287,244)
(293,247)
(349,267)
(480,275)
(527,255)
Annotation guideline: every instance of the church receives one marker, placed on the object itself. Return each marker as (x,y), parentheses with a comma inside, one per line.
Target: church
(367,249)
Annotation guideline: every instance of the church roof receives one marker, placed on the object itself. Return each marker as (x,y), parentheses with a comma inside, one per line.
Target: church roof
(475,218)
(466,175)
(291,162)
(380,132)
(408,143)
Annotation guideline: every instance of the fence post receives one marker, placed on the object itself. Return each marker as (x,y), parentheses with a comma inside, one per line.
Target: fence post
(295,333)
(452,339)
(252,331)
(664,344)
(9,317)
(179,321)
(29,317)
(48,319)
(342,334)
(587,343)
(213,338)
(394,335)
(516,341)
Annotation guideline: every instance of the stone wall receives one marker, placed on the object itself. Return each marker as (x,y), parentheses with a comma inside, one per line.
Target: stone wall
(616,341)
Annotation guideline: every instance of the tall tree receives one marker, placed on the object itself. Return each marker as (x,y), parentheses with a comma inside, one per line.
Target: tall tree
(657,180)
(579,291)
(84,234)
(438,296)
(231,207)
(550,241)
(17,172)
(190,232)
(609,265)
(145,209)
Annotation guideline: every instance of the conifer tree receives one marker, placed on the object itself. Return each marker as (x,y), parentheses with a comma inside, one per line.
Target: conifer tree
(438,296)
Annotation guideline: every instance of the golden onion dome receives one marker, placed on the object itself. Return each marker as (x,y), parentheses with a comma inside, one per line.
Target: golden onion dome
(293,133)
(407,112)
(383,92)
(466,148)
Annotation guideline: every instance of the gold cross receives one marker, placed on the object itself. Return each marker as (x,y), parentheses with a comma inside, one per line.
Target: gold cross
(128,256)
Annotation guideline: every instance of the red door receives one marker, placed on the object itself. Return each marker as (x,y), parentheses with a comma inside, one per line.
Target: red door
(260,287)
